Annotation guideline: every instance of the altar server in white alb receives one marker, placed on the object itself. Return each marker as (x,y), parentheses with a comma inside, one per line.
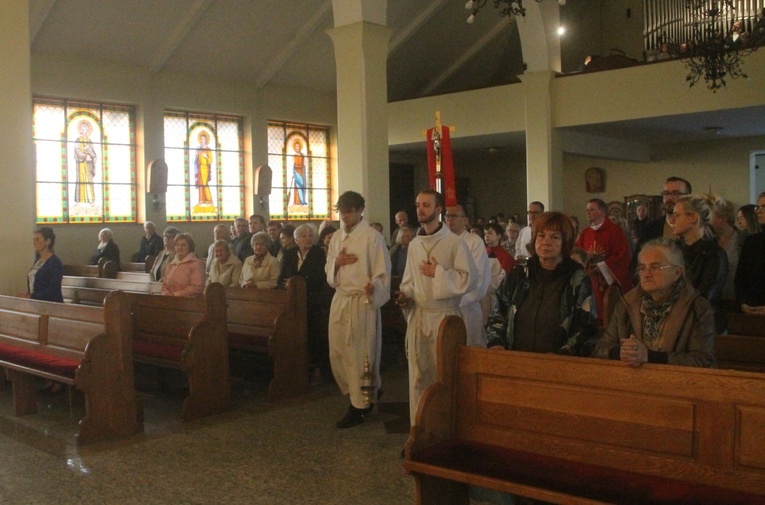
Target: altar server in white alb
(358,267)
(439,270)
(470,304)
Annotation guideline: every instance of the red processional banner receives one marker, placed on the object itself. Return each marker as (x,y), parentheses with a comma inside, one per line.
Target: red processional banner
(447,165)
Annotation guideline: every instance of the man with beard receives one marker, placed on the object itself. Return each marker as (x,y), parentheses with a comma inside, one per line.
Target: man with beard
(470,304)
(358,268)
(674,188)
(439,270)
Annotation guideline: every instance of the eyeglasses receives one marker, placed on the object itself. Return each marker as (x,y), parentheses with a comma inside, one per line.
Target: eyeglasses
(654,268)
(454,216)
(673,194)
(675,215)
(759,208)
(534,212)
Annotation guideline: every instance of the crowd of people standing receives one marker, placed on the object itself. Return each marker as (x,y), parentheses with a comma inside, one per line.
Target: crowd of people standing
(503,279)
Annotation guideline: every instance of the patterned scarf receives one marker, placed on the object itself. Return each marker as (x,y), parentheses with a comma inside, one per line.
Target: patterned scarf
(656,312)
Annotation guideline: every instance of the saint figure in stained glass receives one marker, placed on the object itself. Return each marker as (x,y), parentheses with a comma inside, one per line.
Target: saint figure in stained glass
(85,161)
(203,164)
(298,173)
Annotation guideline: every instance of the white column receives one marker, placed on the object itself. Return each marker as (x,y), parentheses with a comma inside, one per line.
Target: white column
(361,51)
(544,157)
(17,204)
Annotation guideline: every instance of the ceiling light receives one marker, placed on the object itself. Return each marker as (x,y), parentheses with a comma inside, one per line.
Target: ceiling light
(506,7)
(561,30)
(715,54)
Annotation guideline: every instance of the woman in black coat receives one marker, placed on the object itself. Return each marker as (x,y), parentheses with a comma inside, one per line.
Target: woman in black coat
(308,260)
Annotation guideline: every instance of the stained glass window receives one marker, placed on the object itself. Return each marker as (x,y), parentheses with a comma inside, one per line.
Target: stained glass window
(205,166)
(85,161)
(298,155)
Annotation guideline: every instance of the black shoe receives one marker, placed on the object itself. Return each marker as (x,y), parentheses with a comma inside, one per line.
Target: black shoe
(353,417)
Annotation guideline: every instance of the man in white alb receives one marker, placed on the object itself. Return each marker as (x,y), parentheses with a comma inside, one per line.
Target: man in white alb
(439,270)
(358,267)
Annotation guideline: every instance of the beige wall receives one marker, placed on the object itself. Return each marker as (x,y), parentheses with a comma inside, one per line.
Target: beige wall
(721,165)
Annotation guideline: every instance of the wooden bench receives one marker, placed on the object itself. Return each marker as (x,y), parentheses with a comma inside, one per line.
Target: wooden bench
(188,334)
(85,347)
(745,324)
(740,352)
(105,269)
(134,266)
(134,276)
(585,431)
(273,322)
(93,290)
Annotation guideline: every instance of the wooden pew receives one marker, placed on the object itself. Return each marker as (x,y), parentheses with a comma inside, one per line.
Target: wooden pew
(188,334)
(273,322)
(134,267)
(93,290)
(81,270)
(85,347)
(134,276)
(585,431)
(745,324)
(740,352)
(104,269)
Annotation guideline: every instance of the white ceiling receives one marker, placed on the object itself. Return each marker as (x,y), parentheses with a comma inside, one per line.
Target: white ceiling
(432,51)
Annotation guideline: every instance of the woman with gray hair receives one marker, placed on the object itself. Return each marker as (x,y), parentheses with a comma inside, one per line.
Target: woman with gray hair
(663,320)
(261,270)
(225,267)
(308,261)
(706,264)
(106,248)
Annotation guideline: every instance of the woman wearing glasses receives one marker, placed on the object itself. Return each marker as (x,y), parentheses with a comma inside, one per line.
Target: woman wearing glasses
(663,320)
(750,274)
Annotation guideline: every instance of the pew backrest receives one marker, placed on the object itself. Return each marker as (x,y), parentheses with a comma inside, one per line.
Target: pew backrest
(702,426)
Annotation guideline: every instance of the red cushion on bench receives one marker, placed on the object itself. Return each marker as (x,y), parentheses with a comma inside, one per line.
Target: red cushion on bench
(155,350)
(579,479)
(37,360)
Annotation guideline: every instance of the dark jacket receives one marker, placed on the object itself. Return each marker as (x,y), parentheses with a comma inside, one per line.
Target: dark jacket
(750,274)
(242,247)
(706,268)
(312,270)
(47,284)
(110,252)
(577,329)
(149,247)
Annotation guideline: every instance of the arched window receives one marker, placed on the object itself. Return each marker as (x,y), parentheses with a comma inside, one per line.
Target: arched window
(298,155)
(205,166)
(85,161)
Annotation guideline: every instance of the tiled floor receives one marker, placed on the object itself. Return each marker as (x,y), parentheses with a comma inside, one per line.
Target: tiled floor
(282,453)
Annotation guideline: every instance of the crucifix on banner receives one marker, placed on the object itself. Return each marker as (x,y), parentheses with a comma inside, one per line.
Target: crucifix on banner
(440,164)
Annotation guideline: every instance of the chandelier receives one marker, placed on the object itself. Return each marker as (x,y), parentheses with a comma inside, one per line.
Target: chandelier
(508,7)
(718,43)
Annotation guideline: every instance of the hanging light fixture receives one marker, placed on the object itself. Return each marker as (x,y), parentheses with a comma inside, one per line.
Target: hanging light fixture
(506,7)
(718,43)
